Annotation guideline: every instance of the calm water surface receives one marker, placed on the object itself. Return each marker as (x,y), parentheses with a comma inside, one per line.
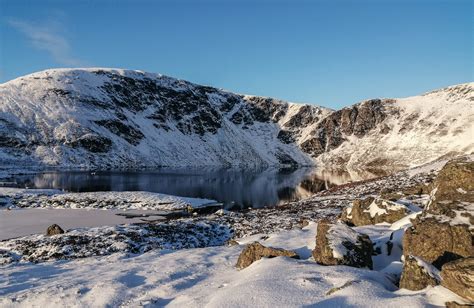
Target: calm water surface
(235,188)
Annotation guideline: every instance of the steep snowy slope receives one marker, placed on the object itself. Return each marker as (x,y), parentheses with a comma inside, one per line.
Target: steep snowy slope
(393,134)
(110,118)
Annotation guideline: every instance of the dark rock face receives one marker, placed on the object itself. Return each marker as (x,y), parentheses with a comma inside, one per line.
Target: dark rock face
(357,246)
(360,212)
(130,134)
(54,230)
(265,109)
(256,251)
(458,276)
(93,143)
(357,120)
(415,276)
(286,136)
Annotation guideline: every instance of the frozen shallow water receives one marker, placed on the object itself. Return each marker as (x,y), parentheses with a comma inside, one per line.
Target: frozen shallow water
(21,222)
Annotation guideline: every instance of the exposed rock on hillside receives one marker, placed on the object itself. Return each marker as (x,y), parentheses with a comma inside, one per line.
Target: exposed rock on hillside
(337,244)
(357,120)
(255,251)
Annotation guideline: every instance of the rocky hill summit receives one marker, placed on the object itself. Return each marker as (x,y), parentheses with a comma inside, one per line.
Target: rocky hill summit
(116,119)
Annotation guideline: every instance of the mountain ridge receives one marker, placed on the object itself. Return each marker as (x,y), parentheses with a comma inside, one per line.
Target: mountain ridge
(119,119)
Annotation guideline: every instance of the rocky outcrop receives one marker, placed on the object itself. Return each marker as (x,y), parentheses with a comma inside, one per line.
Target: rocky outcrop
(458,276)
(437,242)
(418,274)
(256,251)
(453,190)
(338,244)
(444,231)
(371,211)
(54,230)
(356,120)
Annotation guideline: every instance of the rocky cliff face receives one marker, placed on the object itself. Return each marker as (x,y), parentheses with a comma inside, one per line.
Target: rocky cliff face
(125,119)
(393,134)
(106,118)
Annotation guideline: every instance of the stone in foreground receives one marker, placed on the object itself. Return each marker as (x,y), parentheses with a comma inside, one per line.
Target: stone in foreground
(54,230)
(457,305)
(458,276)
(444,232)
(370,211)
(418,274)
(338,244)
(255,251)
(436,241)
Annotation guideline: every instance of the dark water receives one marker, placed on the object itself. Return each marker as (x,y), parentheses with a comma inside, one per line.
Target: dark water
(235,188)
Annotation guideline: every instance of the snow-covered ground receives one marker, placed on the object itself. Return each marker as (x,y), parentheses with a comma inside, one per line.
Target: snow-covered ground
(185,262)
(116,200)
(207,277)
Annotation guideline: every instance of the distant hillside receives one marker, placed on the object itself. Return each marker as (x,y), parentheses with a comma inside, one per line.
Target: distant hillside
(111,118)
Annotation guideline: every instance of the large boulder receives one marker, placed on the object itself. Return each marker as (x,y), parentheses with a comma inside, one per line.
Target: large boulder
(418,274)
(338,244)
(454,184)
(54,230)
(445,230)
(255,251)
(458,276)
(437,241)
(370,211)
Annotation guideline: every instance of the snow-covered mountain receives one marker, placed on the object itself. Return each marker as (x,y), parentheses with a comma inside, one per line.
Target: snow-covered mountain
(111,118)
(124,119)
(393,134)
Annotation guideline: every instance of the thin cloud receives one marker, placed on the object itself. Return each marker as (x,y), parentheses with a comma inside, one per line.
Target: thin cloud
(47,38)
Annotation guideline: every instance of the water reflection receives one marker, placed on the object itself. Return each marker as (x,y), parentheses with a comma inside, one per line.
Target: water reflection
(235,188)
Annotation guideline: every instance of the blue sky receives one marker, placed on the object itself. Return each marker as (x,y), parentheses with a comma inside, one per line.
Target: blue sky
(331,53)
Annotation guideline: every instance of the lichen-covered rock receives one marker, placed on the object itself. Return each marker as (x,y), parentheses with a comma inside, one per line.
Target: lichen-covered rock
(418,274)
(371,211)
(445,230)
(437,242)
(255,251)
(454,184)
(458,276)
(457,305)
(54,230)
(338,244)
